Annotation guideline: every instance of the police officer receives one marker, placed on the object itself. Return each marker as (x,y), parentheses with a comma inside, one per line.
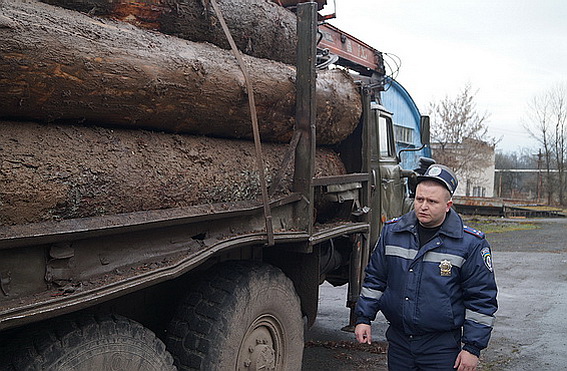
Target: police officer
(432,278)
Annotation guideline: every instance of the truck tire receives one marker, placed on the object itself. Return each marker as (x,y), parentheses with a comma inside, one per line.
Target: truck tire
(92,343)
(244,316)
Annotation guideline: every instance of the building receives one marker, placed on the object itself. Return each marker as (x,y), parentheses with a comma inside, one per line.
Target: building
(474,181)
(406,118)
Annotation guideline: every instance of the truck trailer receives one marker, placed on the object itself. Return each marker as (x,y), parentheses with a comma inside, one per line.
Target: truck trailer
(227,285)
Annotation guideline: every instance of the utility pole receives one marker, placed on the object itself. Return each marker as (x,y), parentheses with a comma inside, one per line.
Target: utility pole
(539,156)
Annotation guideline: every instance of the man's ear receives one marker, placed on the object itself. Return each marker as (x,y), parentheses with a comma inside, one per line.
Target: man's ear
(449,204)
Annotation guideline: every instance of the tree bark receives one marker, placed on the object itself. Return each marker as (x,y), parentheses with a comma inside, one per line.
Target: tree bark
(54,172)
(260,28)
(60,65)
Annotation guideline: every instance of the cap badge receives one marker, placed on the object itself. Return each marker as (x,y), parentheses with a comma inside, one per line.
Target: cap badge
(434,170)
(445,267)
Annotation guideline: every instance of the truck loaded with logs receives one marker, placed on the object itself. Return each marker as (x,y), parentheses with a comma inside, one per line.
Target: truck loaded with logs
(178,177)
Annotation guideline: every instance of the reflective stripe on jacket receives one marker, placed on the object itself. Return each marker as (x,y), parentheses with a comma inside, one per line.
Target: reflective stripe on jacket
(447,284)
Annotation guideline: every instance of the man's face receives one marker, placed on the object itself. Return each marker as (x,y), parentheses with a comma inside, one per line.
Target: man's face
(432,201)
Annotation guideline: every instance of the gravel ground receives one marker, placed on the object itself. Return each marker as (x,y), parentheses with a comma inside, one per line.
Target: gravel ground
(531,271)
(529,334)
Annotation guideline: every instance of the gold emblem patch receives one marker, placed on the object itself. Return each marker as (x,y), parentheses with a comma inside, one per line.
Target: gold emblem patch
(445,267)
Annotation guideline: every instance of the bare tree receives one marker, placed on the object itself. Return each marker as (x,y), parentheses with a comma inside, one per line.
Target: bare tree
(460,135)
(547,123)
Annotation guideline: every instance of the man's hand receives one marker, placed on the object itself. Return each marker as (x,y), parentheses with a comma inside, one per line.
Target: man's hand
(465,361)
(363,333)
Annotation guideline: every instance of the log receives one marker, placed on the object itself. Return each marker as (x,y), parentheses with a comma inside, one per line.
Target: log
(260,28)
(60,65)
(55,172)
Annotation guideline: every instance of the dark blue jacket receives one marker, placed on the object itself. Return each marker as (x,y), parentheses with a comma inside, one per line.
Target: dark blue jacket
(447,284)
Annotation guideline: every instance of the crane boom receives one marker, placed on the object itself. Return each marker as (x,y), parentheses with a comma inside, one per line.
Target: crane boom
(352,52)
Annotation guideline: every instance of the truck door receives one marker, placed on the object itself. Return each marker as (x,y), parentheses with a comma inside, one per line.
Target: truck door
(388,187)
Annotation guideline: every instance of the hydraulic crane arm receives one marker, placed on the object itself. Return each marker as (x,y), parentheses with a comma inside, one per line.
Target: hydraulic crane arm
(338,47)
(352,53)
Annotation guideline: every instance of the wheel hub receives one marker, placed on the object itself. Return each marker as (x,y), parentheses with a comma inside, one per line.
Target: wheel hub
(259,350)
(263,358)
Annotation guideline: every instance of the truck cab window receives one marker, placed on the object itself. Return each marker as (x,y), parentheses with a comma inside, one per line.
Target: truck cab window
(385,137)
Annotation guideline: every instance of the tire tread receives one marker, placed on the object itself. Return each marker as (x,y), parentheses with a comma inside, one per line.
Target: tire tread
(37,348)
(201,318)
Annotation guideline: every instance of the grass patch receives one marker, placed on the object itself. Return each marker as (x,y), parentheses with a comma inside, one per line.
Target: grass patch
(497,225)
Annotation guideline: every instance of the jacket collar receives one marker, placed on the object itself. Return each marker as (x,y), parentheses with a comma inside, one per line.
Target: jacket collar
(451,227)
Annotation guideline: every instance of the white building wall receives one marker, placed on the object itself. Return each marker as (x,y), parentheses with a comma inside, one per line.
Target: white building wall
(479,185)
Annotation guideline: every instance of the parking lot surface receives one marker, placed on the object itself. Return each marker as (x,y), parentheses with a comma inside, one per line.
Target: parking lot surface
(531,328)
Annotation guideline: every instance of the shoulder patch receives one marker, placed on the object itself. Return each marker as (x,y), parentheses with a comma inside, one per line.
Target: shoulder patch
(395,220)
(473,231)
(487,258)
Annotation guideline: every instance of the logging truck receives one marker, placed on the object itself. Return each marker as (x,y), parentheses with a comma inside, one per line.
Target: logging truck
(136,282)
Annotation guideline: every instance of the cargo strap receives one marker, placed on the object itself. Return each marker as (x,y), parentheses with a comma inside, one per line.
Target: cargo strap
(254,117)
(285,162)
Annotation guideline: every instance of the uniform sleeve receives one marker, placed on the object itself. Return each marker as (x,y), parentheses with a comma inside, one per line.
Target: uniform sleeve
(479,294)
(374,284)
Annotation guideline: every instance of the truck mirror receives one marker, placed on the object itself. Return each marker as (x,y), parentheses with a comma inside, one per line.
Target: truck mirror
(424,129)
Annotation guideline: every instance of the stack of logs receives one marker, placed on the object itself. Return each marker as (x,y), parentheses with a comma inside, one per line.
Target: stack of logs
(112,106)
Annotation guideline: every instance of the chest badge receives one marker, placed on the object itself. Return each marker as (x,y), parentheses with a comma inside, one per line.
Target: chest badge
(445,267)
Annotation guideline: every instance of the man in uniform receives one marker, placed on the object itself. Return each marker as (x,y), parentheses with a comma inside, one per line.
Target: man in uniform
(432,278)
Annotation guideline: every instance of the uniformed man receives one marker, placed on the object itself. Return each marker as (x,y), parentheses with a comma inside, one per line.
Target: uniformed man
(433,280)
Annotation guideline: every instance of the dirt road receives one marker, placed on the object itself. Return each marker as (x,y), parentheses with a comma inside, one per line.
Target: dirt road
(531,327)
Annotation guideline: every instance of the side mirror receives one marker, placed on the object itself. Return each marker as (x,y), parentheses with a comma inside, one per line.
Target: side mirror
(424,129)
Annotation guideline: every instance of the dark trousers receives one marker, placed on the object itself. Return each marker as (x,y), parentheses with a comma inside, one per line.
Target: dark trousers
(435,351)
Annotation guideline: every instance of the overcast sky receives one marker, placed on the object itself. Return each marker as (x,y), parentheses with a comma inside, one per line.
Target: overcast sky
(508,50)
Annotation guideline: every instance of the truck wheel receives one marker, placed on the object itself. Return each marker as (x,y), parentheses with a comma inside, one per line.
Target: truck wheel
(93,343)
(244,316)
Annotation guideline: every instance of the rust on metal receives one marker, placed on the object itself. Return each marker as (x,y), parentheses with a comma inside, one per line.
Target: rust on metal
(352,50)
